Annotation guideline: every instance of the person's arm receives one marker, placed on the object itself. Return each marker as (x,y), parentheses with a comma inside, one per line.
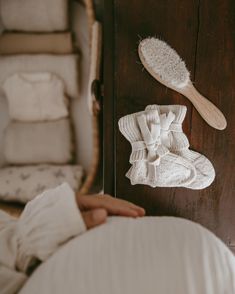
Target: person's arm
(45,224)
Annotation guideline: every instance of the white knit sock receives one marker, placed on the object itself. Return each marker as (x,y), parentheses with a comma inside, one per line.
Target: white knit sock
(173,171)
(153,163)
(179,145)
(204,169)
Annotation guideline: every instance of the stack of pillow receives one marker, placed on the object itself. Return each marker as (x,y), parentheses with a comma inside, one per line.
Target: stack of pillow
(39,76)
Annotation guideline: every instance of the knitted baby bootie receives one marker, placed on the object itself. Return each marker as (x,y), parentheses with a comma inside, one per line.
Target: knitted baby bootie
(152,163)
(177,142)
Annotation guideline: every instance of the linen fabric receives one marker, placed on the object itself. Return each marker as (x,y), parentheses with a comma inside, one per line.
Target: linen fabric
(48,221)
(35,97)
(34,16)
(19,43)
(64,66)
(124,255)
(35,143)
(24,183)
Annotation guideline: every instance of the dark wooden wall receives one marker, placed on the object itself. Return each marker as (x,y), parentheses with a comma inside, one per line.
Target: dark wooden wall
(203,33)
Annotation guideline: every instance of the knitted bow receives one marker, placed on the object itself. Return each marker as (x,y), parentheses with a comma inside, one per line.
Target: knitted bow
(152,138)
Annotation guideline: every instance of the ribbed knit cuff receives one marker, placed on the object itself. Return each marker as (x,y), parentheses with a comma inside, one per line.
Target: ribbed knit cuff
(178,110)
(128,126)
(178,140)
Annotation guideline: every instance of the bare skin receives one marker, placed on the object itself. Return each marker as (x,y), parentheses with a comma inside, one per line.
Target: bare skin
(96,208)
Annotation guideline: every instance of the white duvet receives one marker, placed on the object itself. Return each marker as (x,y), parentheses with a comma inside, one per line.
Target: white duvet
(162,255)
(149,255)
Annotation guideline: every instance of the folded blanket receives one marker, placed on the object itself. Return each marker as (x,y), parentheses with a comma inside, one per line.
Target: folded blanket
(34,16)
(35,97)
(16,43)
(22,184)
(64,66)
(32,143)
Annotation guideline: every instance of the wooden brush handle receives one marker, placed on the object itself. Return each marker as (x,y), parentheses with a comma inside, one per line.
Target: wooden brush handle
(209,112)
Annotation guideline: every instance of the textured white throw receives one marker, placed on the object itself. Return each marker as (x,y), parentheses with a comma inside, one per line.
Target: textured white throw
(35,96)
(47,222)
(160,155)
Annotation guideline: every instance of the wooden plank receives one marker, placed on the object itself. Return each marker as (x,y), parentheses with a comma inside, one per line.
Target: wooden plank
(203,33)
(175,22)
(215,70)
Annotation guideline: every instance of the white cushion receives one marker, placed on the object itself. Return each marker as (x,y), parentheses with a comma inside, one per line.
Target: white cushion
(33,143)
(35,97)
(22,184)
(148,255)
(34,16)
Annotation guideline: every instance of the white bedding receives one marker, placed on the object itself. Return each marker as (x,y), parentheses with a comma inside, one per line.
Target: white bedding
(64,66)
(28,181)
(150,255)
(35,97)
(38,142)
(34,16)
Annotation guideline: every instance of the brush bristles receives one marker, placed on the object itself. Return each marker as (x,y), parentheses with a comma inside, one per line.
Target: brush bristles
(164,61)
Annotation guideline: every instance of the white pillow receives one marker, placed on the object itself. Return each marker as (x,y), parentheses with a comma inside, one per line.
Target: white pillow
(35,97)
(33,143)
(22,184)
(34,16)
(63,66)
(149,255)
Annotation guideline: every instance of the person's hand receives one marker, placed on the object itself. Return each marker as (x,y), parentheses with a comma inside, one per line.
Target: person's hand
(96,208)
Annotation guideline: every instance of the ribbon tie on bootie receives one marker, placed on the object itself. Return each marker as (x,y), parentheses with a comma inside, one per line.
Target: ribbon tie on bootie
(152,139)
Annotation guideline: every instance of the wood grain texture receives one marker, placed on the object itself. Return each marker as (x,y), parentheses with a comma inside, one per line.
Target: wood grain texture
(202,32)
(214,76)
